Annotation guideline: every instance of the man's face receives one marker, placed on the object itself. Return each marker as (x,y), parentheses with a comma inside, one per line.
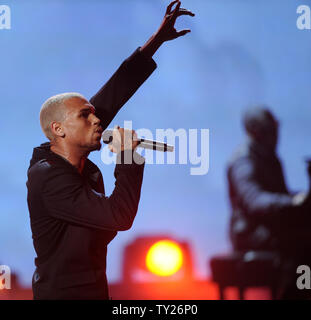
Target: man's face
(81,126)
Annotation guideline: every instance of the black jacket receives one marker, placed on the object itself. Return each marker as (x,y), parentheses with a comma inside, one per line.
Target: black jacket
(72,220)
(261,204)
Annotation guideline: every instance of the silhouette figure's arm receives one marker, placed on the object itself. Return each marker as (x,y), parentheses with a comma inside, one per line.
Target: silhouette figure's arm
(256,201)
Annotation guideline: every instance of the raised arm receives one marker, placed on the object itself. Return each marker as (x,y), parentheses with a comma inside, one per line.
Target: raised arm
(134,71)
(121,86)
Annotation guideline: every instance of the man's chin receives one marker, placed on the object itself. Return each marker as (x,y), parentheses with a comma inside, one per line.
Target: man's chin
(95,147)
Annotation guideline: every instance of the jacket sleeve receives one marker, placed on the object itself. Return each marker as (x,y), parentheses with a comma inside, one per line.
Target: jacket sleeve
(256,201)
(121,86)
(67,197)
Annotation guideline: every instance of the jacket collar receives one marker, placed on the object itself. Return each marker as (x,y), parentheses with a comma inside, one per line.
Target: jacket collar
(44,152)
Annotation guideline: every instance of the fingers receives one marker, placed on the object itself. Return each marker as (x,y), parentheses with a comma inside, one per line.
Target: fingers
(185,12)
(182,33)
(180,12)
(134,135)
(170,6)
(176,10)
(123,139)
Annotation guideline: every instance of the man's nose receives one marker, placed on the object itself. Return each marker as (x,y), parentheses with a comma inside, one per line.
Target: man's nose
(95,120)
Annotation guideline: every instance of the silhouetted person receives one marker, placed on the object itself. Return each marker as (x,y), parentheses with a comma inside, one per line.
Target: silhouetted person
(72,220)
(265,215)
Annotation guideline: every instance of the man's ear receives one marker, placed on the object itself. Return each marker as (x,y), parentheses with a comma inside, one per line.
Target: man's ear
(57,130)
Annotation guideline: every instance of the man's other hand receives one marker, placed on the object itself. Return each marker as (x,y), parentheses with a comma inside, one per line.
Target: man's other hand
(302,200)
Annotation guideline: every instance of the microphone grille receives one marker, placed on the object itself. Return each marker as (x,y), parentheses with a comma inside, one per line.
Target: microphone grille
(107,136)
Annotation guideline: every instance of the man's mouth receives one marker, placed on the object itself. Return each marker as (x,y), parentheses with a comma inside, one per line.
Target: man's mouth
(99,130)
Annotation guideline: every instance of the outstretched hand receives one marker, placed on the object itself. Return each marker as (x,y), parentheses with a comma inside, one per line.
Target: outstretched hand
(167,29)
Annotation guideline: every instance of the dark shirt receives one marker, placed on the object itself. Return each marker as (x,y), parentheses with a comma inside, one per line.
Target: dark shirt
(259,199)
(72,220)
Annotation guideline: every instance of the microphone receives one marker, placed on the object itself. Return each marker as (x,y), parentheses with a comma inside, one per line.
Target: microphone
(107,137)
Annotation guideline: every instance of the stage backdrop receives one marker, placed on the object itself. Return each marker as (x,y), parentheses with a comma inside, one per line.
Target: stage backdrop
(239,53)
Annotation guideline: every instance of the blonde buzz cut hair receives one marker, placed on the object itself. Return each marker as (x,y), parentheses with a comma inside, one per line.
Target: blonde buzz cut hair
(54,109)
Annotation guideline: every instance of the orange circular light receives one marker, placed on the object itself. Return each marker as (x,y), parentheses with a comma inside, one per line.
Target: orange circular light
(164,258)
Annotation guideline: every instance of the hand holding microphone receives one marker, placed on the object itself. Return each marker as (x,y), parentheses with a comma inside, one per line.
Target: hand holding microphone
(121,139)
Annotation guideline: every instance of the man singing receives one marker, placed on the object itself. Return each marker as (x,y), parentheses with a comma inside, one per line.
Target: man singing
(72,220)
